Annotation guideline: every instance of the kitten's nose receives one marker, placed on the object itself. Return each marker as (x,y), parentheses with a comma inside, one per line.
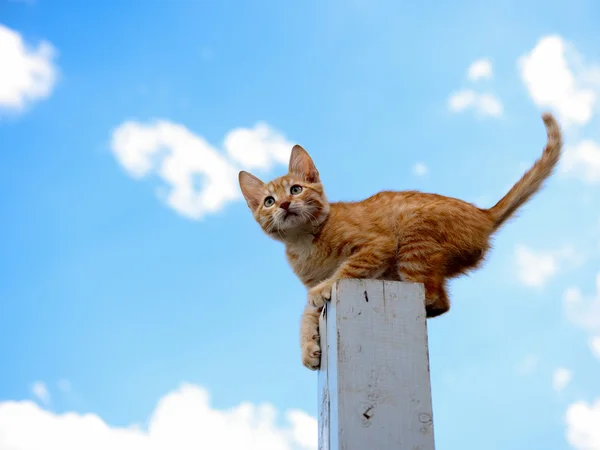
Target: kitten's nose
(284,205)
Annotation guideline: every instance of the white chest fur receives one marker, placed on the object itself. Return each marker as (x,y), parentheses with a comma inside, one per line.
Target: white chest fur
(310,263)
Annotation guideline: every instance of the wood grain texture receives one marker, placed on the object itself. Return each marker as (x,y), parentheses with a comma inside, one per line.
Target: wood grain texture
(374,384)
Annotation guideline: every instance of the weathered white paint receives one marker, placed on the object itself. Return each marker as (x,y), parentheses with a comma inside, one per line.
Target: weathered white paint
(374,386)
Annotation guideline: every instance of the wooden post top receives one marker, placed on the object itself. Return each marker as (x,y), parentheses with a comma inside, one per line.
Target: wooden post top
(374,384)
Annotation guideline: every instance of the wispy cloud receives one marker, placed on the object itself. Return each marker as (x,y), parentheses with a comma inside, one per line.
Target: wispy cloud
(583,311)
(64,385)
(561,378)
(40,391)
(528,365)
(595,346)
(482,103)
(480,69)
(420,169)
(582,161)
(536,267)
(583,432)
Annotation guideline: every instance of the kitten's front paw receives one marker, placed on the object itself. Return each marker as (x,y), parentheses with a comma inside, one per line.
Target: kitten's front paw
(311,354)
(318,295)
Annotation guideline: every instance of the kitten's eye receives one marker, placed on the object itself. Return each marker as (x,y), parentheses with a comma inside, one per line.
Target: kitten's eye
(269,201)
(295,190)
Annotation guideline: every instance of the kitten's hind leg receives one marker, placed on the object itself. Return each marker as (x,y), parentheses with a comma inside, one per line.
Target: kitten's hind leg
(437,301)
(309,337)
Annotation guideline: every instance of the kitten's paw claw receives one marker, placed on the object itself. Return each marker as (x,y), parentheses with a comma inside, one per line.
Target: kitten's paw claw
(318,295)
(311,355)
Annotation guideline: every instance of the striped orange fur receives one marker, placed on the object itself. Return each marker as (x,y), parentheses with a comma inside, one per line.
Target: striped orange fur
(404,236)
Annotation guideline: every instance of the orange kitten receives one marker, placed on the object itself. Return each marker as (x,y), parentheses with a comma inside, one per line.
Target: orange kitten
(405,236)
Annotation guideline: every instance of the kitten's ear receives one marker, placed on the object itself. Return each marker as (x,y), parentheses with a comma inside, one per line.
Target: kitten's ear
(302,165)
(252,188)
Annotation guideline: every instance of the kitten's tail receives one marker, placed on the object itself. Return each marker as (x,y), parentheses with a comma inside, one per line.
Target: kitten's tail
(533,179)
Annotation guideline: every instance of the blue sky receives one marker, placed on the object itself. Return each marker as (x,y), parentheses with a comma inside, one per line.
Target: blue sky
(123,283)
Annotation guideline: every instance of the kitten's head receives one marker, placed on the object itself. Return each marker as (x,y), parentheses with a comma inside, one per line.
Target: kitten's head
(291,205)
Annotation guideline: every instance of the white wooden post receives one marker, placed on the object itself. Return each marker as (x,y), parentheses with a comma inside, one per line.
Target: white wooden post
(374,386)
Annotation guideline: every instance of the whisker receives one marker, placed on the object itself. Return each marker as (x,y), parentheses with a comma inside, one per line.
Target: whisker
(310,217)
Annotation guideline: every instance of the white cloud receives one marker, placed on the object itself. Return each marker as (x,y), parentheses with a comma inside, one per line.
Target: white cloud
(40,390)
(583,432)
(182,420)
(490,105)
(420,169)
(556,77)
(583,161)
(584,312)
(201,179)
(561,378)
(484,104)
(28,73)
(568,254)
(257,148)
(535,268)
(480,69)
(461,100)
